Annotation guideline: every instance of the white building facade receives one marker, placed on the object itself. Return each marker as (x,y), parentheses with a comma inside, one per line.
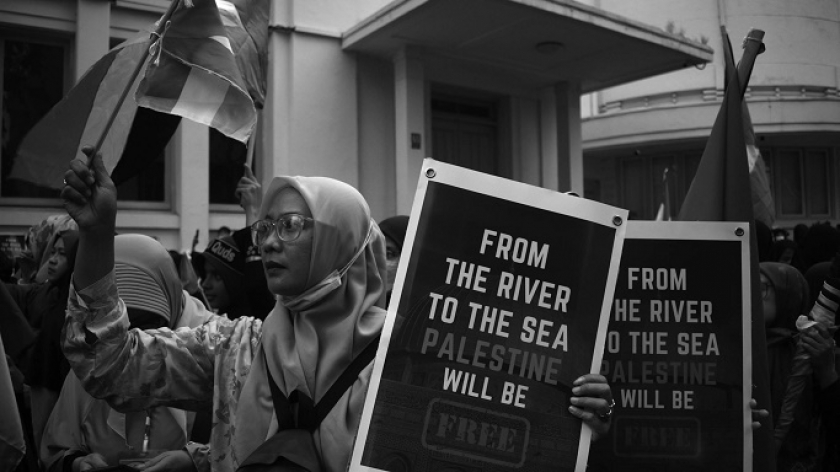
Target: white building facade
(633,132)
(359,90)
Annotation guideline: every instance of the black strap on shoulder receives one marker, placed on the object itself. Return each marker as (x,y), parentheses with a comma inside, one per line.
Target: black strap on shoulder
(345,381)
(309,416)
(285,420)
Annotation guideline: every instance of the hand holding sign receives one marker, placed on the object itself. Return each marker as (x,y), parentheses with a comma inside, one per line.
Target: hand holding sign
(593,403)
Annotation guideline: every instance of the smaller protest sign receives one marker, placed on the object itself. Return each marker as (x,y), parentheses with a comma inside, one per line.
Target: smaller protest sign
(500,304)
(677,351)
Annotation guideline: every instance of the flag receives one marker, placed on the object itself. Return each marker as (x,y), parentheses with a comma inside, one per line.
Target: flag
(138,135)
(762,197)
(246,22)
(664,212)
(720,191)
(194,72)
(79,118)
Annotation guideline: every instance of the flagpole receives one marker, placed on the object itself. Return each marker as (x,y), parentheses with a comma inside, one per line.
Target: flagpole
(156,35)
(753,46)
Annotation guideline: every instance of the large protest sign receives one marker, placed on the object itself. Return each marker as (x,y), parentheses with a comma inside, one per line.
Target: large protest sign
(501,302)
(677,351)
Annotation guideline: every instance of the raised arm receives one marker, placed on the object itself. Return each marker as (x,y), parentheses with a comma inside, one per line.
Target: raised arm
(90,197)
(134,369)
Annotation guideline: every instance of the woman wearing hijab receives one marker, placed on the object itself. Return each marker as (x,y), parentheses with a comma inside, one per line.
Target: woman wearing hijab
(324,259)
(43,305)
(85,432)
(786,296)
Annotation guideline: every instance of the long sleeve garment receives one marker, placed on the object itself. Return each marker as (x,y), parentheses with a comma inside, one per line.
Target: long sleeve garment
(136,370)
(81,424)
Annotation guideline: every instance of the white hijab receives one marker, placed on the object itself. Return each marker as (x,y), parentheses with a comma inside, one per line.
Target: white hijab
(310,339)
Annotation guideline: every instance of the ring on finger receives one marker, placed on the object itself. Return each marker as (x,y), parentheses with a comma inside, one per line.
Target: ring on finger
(606,416)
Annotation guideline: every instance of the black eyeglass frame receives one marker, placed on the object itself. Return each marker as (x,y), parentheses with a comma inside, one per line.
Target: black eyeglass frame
(275,225)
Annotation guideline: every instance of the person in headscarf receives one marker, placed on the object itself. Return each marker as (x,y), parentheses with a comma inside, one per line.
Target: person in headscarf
(394,229)
(86,432)
(43,305)
(324,259)
(38,247)
(785,296)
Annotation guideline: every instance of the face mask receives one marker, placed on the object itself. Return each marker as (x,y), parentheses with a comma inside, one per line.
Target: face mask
(327,285)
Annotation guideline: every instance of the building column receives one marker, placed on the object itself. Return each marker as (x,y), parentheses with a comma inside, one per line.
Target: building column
(410,121)
(93,34)
(191,195)
(569,137)
(275,130)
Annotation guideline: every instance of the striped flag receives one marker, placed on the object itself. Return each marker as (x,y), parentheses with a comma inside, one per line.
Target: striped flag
(194,71)
(137,135)
(246,22)
(762,197)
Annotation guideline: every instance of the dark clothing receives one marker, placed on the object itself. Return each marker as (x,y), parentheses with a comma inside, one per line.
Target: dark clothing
(15,330)
(256,287)
(829,404)
(44,306)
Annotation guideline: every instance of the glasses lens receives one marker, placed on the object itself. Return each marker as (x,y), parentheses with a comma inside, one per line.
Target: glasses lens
(259,231)
(289,227)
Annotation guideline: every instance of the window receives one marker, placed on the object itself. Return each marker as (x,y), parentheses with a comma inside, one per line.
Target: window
(227,156)
(466,132)
(801,181)
(643,181)
(33,77)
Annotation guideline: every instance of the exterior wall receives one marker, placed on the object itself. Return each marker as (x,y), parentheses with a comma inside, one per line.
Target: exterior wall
(792,94)
(328,112)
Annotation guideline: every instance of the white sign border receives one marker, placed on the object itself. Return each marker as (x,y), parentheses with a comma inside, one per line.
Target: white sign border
(536,197)
(717,231)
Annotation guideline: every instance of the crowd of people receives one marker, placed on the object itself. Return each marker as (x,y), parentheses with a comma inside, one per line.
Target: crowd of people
(793,272)
(252,353)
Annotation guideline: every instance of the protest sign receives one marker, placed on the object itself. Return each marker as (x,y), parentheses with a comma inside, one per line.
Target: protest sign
(677,351)
(11,244)
(501,302)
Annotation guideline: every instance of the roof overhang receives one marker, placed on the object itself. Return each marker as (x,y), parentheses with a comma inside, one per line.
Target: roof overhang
(581,44)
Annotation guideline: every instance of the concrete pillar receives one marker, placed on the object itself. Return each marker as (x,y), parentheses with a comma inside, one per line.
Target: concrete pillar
(93,34)
(410,112)
(548,140)
(569,137)
(191,199)
(276,129)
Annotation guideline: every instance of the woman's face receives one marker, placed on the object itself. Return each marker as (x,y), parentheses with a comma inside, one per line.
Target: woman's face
(286,263)
(214,289)
(57,264)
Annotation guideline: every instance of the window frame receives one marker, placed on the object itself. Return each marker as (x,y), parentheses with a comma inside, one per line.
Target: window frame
(61,39)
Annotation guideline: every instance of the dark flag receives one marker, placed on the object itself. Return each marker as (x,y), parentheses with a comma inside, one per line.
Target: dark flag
(721,191)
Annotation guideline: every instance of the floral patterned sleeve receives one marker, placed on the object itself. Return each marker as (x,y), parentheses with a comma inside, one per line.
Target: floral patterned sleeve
(134,369)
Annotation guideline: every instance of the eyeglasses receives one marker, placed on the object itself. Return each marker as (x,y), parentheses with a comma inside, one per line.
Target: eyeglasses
(287,228)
